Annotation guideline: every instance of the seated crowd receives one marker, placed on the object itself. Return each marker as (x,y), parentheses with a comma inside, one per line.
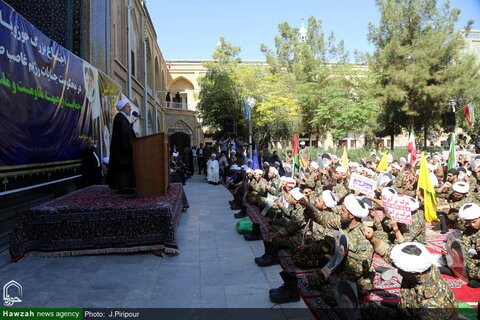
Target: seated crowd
(306,209)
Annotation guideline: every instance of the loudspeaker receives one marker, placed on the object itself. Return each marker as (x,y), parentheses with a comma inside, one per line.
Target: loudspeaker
(448,119)
(229,125)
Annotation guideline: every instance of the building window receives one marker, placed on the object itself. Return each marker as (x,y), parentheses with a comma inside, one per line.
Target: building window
(132,59)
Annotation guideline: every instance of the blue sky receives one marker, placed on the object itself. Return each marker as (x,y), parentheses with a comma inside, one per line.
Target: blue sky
(189,29)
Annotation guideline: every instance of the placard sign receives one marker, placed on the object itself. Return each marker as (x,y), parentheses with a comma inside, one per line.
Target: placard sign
(398,207)
(363,184)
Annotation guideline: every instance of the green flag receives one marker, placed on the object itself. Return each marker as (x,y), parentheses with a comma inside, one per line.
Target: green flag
(452,156)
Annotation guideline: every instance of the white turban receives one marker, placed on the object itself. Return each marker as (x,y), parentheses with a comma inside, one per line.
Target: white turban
(266,163)
(175,154)
(274,170)
(276,163)
(249,170)
(258,171)
(121,104)
(410,262)
(461,187)
(402,159)
(291,182)
(469,211)
(355,207)
(302,143)
(314,165)
(414,205)
(297,194)
(244,167)
(235,167)
(329,199)
(341,170)
(388,192)
(396,166)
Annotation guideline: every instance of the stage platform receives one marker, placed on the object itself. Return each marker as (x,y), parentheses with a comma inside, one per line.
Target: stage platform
(96,220)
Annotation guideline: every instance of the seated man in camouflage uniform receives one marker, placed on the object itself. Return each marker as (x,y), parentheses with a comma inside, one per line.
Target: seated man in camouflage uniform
(424,293)
(288,236)
(309,178)
(447,209)
(445,190)
(257,187)
(470,241)
(357,265)
(390,230)
(318,241)
(340,185)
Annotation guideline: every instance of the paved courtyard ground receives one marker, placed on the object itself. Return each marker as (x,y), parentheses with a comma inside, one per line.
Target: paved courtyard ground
(215,269)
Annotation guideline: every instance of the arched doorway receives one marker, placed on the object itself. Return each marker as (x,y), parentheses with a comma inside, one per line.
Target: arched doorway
(180,140)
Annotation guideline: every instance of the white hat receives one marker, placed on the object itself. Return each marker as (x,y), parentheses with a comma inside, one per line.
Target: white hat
(266,163)
(389,158)
(353,164)
(329,199)
(244,167)
(291,182)
(469,211)
(414,205)
(314,165)
(355,207)
(411,262)
(396,166)
(388,192)
(334,156)
(461,187)
(302,143)
(121,104)
(341,170)
(233,151)
(175,154)
(213,155)
(235,167)
(297,194)
(274,170)
(277,163)
(402,159)
(258,171)
(249,170)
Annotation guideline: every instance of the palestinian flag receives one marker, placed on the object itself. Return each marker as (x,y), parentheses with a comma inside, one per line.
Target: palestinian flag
(296,160)
(469,111)
(412,150)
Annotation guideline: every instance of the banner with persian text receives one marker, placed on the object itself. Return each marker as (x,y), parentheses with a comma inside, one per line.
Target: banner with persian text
(47,96)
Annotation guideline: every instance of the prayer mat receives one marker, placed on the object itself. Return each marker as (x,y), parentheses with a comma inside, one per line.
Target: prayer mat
(97,220)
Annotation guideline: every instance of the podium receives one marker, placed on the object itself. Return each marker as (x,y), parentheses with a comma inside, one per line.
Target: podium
(151,164)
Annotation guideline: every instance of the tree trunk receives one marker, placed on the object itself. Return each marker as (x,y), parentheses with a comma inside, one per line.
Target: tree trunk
(392,137)
(425,129)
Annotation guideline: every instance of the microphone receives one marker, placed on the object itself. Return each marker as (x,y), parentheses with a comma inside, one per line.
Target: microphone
(137,115)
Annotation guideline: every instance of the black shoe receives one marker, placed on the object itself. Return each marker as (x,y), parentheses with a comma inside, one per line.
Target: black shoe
(255,235)
(288,292)
(443,220)
(235,207)
(239,215)
(266,246)
(232,202)
(271,258)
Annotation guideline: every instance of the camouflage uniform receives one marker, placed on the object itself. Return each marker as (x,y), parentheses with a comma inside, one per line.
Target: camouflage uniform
(410,233)
(428,298)
(340,189)
(289,160)
(291,233)
(400,184)
(446,192)
(257,189)
(357,265)
(471,239)
(455,205)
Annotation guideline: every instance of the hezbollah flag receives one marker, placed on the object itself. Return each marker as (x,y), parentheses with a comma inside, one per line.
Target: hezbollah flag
(429,196)
(383,164)
(296,161)
(469,112)
(345,158)
(452,156)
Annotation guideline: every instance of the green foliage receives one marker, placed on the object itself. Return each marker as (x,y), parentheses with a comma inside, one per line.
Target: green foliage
(418,63)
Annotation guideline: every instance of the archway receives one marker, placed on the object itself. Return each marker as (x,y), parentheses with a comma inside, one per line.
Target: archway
(180,140)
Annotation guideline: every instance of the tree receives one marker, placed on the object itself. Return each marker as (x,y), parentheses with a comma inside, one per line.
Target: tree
(417,63)
(333,97)
(220,97)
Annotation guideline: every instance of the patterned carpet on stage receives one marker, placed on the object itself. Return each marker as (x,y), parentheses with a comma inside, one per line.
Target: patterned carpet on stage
(97,220)
(384,290)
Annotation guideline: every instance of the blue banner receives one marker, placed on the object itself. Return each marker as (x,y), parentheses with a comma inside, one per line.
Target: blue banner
(46,94)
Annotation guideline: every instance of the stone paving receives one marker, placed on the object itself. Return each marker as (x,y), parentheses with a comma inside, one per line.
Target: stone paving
(215,269)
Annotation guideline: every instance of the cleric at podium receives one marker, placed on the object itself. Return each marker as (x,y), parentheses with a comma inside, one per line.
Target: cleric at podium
(120,169)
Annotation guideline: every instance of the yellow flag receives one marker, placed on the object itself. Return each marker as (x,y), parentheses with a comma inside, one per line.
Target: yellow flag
(345,158)
(429,196)
(383,164)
